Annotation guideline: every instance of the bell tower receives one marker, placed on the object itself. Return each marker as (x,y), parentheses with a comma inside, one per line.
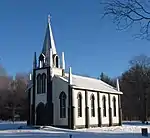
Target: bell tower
(44,68)
(49,56)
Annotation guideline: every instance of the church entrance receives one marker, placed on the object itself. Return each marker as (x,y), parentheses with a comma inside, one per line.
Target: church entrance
(40,111)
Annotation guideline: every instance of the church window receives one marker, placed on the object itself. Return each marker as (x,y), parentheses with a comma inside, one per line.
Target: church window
(41,60)
(43,83)
(114,106)
(62,98)
(38,83)
(104,105)
(57,61)
(92,105)
(79,97)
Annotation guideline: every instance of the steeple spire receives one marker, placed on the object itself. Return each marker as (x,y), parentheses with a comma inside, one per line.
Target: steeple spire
(34,61)
(49,39)
(49,18)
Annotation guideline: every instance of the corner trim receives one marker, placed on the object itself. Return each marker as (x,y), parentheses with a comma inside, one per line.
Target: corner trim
(99,110)
(120,110)
(33,108)
(49,97)
(29,107)
(110,111)
(71,109)
(87,125)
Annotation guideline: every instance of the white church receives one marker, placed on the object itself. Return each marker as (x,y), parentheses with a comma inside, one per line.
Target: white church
(62,99)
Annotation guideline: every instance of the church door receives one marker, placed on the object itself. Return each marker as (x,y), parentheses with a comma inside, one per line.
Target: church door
(40,110)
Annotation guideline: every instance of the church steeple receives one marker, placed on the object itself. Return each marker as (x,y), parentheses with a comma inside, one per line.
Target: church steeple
(49,43)
(49,39)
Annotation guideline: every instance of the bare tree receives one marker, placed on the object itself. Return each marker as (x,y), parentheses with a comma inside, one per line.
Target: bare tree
(127,13)
(16,100)
(141,60)
(135,85)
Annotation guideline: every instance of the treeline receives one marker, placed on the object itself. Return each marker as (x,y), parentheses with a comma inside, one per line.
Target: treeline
(13,99)
(135,85)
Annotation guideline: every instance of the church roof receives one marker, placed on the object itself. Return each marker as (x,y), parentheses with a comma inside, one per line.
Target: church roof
(88,83)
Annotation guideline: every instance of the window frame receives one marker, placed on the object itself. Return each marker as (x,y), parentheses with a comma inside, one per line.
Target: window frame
(104,106)
(114,106)
(43,83)
(92,105)
(38,84)
(62,105)
(79,100)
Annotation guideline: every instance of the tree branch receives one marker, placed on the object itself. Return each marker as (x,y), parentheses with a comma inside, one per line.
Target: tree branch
(125,13)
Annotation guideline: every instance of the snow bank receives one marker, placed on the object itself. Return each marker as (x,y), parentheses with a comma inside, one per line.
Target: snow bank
(128,130)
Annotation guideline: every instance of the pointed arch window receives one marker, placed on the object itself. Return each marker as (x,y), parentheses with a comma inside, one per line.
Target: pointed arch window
(38,83)
(104,105)
(92,105)
(57,61)
(43,83)
(41,60)
(62,98)
(79,97)
(114,106)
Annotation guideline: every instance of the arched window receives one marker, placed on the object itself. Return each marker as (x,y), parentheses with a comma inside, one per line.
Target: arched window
(62,98)
(92,105)
(57,61)
(104,105)
(43,83)
(41,60)
(114,106)
(79,97)
(38,83)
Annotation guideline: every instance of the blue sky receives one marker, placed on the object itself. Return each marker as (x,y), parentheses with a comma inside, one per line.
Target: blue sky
(91,45)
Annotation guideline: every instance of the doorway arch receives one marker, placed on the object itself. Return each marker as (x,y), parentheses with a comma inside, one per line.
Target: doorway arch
(40,109)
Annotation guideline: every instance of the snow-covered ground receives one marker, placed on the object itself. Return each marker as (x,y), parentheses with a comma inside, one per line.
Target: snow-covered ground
(128,130)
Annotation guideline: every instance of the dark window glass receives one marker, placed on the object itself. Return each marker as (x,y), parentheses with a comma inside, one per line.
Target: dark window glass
(62,98)
(79,105)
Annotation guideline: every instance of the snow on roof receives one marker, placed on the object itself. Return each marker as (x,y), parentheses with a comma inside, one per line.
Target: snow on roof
(88,83)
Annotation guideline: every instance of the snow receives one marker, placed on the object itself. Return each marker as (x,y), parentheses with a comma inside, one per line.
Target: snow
(128,130)
(89,83)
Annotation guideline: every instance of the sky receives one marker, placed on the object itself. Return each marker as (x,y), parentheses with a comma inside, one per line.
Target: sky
(91,45)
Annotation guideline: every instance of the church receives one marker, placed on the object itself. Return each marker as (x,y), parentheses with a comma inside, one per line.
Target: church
(62,99)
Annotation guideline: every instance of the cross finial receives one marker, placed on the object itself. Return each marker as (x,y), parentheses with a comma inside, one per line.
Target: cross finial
(49,18)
